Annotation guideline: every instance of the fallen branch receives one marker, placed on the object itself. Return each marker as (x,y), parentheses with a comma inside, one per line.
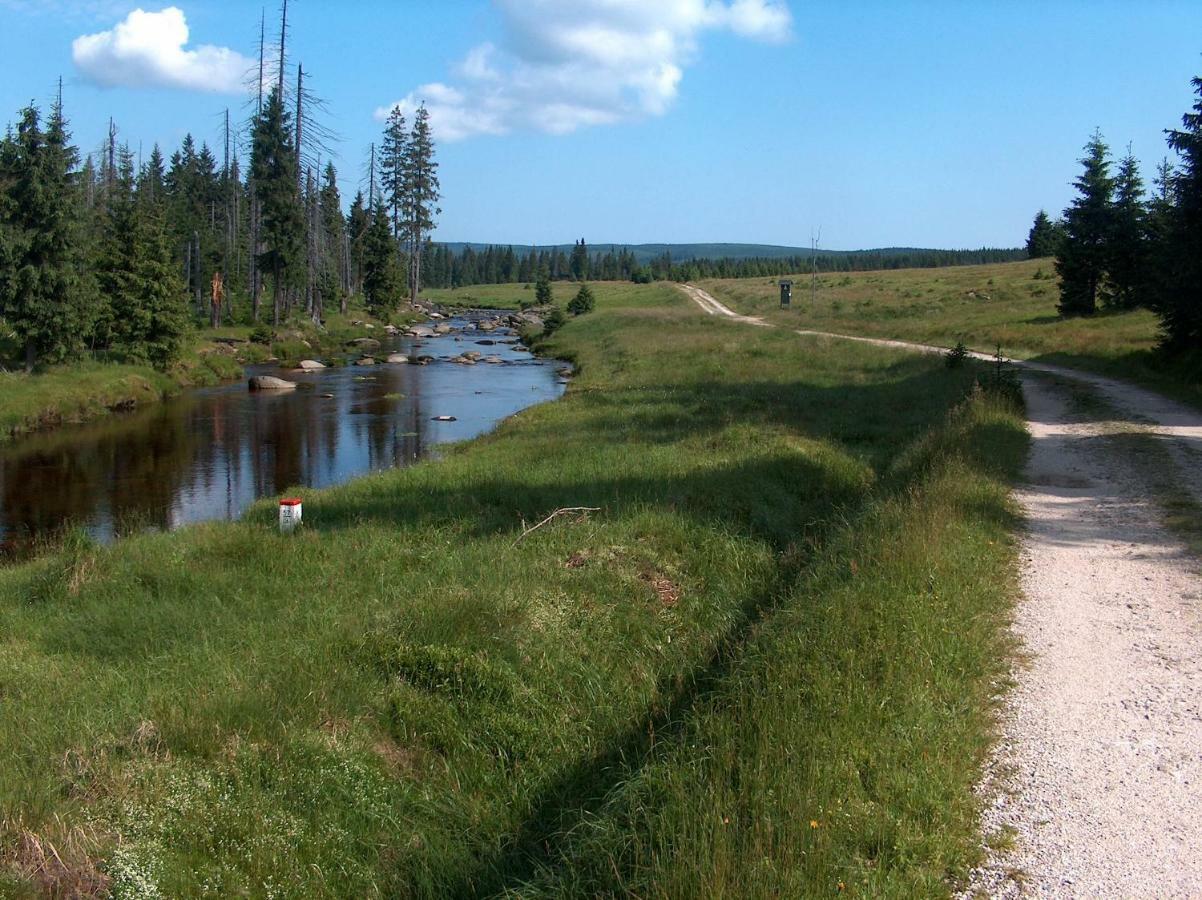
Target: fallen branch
(559,512)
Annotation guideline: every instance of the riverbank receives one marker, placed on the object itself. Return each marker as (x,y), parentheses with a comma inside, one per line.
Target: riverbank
(774,644)
(74,394)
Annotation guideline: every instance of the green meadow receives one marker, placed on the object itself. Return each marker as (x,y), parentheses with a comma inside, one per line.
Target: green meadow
(764,666)
(1008,304)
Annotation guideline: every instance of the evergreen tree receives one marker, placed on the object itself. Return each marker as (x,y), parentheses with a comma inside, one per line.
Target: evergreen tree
(422,192)
(393,152)
(583,302)
(1041,240)
(358,222)
(542,289)
(274,170)
(578,264)
(1082,256)
(383,280)
(1158,226)
(1179,304)
(332,282)
(1128,250)
(41,296)
(138,278)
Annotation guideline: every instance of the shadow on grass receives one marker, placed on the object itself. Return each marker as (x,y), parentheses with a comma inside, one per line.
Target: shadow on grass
(773,426)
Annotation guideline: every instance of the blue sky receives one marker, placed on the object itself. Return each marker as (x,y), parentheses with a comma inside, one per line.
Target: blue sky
(944,124)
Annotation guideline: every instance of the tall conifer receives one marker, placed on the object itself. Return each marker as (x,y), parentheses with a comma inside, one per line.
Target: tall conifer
(1082,258)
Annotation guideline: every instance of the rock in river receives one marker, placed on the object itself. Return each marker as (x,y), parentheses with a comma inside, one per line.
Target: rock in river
(398,358)
(271,383)
(310,365)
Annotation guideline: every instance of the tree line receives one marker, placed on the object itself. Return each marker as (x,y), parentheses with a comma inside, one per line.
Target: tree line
(108,256)
(446,268)
(1117,246)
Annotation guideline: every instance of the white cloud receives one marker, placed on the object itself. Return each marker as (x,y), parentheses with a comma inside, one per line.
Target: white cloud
(567,64)
(148,49)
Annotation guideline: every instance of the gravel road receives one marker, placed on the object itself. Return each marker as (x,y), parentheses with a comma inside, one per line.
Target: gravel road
(1096,779)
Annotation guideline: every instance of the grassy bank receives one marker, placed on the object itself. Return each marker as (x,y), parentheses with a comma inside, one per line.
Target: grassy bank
(788,609)
(1011,304)
(73,394)
(502,296)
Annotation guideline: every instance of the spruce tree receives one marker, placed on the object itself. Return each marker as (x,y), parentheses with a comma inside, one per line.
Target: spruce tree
(383,280)
(139,280)
(542,289)
(334,264)
(1179,304)
(41,296)
(583,302)
(1128,249)
(274,170)
(578,265)
(1041,240)
(1082,255)
(358,222)
(393,151)
(422,192)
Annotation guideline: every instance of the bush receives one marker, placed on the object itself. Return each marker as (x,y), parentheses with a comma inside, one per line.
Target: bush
(583,302)
(260,334)
(956,356)
(554,321)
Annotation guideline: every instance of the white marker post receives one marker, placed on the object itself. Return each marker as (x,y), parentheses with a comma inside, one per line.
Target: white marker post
(290,514)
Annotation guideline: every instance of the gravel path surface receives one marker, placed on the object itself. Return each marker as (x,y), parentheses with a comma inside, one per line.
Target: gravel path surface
(1097,776)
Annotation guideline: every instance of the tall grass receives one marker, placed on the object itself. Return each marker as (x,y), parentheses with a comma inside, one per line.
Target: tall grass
(791,567)
(75,394)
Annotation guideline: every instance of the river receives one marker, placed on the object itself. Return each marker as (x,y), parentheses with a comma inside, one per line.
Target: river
(211,452)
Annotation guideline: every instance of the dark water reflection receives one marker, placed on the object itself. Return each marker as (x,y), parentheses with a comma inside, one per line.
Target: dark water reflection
(211,453)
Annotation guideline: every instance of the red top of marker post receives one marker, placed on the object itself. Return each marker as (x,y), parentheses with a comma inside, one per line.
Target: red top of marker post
(291,501)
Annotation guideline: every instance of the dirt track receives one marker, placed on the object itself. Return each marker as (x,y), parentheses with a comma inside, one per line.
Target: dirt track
(1098,770)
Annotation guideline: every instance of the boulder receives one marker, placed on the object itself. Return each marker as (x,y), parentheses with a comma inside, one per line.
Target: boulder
(472,355)
(366,361)
(398,358)
(310,365)
(271,383)
(364,343)
(493,360)
(421,331)
(442,329)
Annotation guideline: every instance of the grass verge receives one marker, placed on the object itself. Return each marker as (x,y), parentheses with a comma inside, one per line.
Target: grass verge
(789,609)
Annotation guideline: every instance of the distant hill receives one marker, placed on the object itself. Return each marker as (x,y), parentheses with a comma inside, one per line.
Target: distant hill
(645,253)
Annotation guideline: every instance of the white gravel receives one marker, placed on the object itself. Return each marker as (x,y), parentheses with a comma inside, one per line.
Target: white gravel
(1098,775)
(1096,780)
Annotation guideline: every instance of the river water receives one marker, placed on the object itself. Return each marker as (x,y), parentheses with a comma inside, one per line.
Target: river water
(212,452)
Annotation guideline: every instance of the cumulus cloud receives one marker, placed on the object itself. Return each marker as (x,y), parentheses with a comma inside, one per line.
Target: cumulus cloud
(149,49)
(563,65)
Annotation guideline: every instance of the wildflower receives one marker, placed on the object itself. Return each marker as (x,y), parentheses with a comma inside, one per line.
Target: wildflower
(813,823)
